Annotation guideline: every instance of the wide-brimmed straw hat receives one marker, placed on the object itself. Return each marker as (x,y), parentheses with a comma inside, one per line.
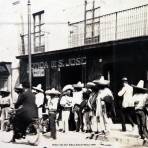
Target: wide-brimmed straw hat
(52,92)
(140,86)
(68,87)
(90,85)
(4,91)
(38,88)
(19,87)
(101,81)
(78,85)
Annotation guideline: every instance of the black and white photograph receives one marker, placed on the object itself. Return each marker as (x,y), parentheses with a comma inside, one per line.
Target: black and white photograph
(74,73)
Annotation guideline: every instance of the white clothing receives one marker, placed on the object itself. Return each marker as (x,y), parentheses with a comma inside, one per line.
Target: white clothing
(53,104)
(127,93)
(105,92)
(77,97)
(39,101)
(66,101)
(140,100)
(65,119)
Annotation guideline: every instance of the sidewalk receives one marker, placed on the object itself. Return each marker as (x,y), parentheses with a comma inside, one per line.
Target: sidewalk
(128,138)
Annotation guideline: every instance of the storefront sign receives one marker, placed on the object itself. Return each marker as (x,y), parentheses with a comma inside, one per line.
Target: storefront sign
(38,65)
(38,72)
(38,69)
(69,62)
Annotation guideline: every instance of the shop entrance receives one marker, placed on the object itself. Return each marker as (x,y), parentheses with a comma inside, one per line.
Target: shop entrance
(71,75)
(39,80)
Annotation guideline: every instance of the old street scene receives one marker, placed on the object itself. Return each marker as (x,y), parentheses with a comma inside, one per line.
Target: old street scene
(74,73)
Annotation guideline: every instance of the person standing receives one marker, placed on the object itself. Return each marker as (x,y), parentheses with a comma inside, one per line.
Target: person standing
(5,102)
(140,98)
(39,99)
(104,104)
(127,109)
(53,99)
(77,100)
(26,111)
(86,110)
(66,104)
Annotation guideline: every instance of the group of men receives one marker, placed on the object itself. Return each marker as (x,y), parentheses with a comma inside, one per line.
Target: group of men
(88,108)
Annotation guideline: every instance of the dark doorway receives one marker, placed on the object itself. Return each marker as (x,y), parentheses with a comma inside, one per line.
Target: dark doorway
(71,75)
(39,80)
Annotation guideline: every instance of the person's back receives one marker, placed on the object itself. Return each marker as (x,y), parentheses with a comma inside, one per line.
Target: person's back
(26,107)
(127,93)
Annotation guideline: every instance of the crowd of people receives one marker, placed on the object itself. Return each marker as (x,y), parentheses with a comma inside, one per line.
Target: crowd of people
(80,108)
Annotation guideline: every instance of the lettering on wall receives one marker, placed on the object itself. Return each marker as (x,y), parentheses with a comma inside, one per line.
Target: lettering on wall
(38,68)
(69,62)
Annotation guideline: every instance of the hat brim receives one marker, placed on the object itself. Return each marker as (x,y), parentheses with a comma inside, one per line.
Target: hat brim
(3,91)
(104,82)
(35,88)
(18,88)
(53,93)
(139,88)
(90,85)
(78,86)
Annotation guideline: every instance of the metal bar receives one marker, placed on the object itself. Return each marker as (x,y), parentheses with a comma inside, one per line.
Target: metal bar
(29,43)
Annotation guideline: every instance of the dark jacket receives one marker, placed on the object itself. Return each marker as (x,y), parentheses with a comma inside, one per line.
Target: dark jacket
(26,107)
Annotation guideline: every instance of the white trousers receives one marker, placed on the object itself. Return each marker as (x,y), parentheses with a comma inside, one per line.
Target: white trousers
(65,119)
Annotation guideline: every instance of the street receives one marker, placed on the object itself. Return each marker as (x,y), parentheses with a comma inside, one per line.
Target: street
(71,140)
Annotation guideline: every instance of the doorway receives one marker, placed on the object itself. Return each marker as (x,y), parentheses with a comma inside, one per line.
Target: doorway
(71,75)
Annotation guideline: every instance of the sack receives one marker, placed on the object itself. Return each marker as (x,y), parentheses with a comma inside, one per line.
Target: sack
(108,99)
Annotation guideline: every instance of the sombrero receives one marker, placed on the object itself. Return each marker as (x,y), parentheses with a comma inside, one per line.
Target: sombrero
(4,91)
(19,87)
(38,88)
(90,85)
(78,85)
(68,87)
(140,86)
(52,92)
(101,81)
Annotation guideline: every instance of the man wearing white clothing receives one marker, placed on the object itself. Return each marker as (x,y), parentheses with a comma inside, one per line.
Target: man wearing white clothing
(39,99)
(66,103)
(127,104)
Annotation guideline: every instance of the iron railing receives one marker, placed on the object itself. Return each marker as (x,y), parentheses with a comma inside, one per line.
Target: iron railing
(120,25)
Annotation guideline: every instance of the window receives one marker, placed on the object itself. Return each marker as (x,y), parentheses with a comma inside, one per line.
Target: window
(39,39)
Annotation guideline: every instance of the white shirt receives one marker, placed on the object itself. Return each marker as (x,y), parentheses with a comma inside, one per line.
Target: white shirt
(39,99)
(105,92)
(77,97)
(127,93)
(66,101)
(53,104)
(140,100)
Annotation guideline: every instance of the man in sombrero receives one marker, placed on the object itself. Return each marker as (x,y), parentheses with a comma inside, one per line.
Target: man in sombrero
(66,104)
(53,100)
(77,100)
(39,99)
(104,104)
(140,98)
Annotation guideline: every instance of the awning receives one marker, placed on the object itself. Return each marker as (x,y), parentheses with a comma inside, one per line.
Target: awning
(5,68)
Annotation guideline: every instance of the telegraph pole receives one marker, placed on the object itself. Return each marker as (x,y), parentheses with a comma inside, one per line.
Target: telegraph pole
(29,43)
